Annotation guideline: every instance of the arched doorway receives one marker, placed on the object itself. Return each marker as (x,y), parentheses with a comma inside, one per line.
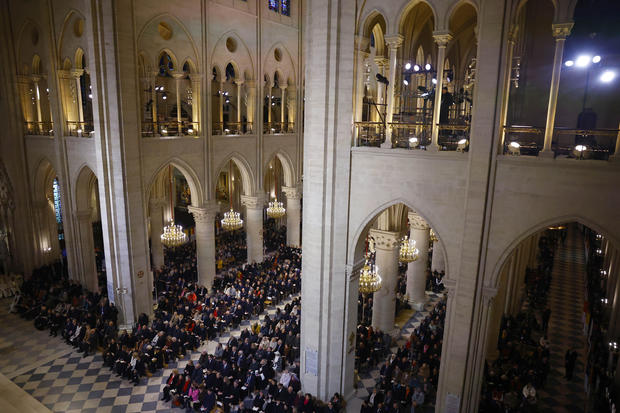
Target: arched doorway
(48,205)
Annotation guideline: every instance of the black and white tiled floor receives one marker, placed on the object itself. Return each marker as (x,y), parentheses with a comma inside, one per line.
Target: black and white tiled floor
(72,383)
(566,297)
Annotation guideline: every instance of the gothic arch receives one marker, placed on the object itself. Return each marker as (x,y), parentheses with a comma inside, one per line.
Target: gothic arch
(287,166)
(404,12)
(241,54)
(84,185)
(285,67)
(493,281)
(68,41)
(455,7)
(188,172)
(43,176)
(519,6)
(243,165)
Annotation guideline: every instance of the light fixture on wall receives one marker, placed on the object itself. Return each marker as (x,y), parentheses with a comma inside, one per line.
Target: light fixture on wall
(232,219)
(580,151)
(514,148)
(462,145)
(414,142)
(276,208)
(408,252)
(173,235)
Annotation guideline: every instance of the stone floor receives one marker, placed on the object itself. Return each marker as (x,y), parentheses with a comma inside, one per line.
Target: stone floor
(65,381)
(566,297)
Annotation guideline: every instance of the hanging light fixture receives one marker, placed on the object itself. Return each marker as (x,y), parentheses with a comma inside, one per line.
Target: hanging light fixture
(232,219)
(408,252)
(370,280)
(173,235)
(276,209)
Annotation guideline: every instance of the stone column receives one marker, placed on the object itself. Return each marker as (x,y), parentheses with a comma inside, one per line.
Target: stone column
(393,43)
(254,226)
(269,92)
(87,245)
(205,242)
(438,262)
(381,66)
(239,86)
(384,300)
(291,106)
(178,78)
(157,228)
(221,110)
(293,216)
(560,32)
(416,270)
(361,45)
(282,108)
(77,73)
(195,79)
(442,39)
(512,39)
(35,81)
(251,106)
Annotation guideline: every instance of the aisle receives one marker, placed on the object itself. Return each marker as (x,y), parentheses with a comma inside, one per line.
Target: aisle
(566,297)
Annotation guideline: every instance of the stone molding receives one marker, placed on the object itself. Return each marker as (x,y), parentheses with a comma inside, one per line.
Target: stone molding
(291,192)
(253,202)
(395,41)
(561,30)
(203,215)
(178,75)
(417,222)
(442,38)
(488,294)
(76,73)
(385,240)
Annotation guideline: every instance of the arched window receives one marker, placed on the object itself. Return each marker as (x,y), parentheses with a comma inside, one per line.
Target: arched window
(165,65)
(58,208)
(286,7)
(273,5)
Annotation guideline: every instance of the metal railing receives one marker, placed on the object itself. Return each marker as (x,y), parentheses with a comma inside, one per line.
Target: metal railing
(451,134)
(232,128)
(80,129)
(170,128)
(594,143)
(278,127)
(39,128)
(370,133)
(411,135)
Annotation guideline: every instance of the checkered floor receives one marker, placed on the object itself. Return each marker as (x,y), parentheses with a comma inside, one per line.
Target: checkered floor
(566,297)
(369,378)
(72,383)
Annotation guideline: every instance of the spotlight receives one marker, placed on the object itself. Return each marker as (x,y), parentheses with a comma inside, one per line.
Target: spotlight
(596,59)
(579,151)
(90,95)
(164,131)
(514,148)
(416,68)
(569,63)
(164,97)
(427,66)
(583,60)
(604,300)
(405,82)
(434,81)
(227,130)
(190,131)
(407,66)
(462,145)
(608,76)
(413,142)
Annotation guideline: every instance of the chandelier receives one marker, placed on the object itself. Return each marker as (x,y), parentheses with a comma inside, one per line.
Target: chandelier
(433,236)
(232,219)
(408,252)
(370,280)
(173,235)
(276,209)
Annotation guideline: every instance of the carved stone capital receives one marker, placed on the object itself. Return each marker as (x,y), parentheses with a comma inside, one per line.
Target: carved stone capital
(291,192)
(253,202)
(385,240)
(416,221)
(361,43)
(178,75)
(195,77)
(395,41)
(488,294)
(203,215)
(513,32)
(83,214)
(76,73)
(442,38)
(561,30)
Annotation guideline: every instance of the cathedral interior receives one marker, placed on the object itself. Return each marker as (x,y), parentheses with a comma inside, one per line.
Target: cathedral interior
(449,170)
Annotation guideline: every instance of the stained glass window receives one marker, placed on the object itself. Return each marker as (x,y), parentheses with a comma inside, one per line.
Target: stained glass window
(286,7)
(273,5)
(58,207)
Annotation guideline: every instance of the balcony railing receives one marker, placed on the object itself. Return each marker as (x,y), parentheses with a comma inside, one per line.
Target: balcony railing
(452,135)
(39,128)
(411,135)
(80,129)
(278,127)
(370,133)
(414,135)
(593,143)
(170,128)
(232,128)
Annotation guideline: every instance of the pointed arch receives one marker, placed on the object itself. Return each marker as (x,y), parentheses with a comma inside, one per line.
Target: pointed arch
(195,186)
(78,59)
(241,55)
(64,31)
(286,65)
(83,188)
(455,7)
(43,176)
(243,165)
(290,178)
(399,23)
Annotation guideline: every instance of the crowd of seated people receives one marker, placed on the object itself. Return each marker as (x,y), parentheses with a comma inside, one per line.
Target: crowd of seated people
(230,249)
(408,379)
(434,281)
(274,235)
(512,380)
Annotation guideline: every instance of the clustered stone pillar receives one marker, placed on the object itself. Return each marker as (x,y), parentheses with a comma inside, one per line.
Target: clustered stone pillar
(560,32)
(205,243)
(442,39)
(254,226)
(239,87)
(251,105)
(512,39)
(157,228)
(384,300)
(152,77)
(293,216)
(178,78)
(416,270)
(87,245)
(393,42)
(77,74)
(195,79)
(438,262)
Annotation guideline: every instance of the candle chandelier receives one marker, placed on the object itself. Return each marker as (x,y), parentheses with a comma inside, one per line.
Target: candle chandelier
(276,209)
(173,235)
(370,280)
(408,252)
(232,219)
